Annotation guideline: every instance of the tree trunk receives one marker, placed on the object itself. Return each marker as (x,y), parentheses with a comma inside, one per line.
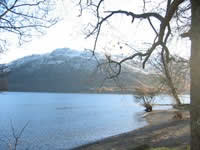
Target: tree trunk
(195,76)
(169,80)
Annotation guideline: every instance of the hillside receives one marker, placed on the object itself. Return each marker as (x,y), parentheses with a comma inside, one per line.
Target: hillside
(67,70)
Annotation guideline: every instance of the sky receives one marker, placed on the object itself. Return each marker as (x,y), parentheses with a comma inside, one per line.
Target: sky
(69,33)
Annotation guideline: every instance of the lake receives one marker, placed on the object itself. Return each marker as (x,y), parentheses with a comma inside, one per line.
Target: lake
(63,121)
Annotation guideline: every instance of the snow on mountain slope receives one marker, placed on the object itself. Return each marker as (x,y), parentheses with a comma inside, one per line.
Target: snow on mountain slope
(77,59)
(67,70)
(58,56)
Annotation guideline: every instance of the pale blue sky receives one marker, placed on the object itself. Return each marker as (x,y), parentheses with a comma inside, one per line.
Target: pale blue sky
(69,33)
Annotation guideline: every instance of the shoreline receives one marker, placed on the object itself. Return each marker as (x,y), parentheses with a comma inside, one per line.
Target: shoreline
(162,130)
(127,92)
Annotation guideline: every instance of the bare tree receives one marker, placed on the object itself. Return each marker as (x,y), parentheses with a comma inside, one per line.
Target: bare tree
(22,19)
(16,137)
(173,77)
(175,17)
(195,75)
(176,78)
(146,96)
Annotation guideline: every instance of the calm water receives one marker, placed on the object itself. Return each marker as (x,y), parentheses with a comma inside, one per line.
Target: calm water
(64,121)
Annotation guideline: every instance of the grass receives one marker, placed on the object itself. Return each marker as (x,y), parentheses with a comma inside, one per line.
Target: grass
(164,148)
(147,147)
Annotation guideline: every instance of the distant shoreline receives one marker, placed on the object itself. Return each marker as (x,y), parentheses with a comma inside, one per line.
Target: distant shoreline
(122,93)
(53,92)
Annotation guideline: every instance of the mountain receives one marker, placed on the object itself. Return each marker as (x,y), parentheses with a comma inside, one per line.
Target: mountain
(67,70)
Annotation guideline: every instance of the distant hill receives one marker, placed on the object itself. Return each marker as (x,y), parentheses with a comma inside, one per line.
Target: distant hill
(67,70)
